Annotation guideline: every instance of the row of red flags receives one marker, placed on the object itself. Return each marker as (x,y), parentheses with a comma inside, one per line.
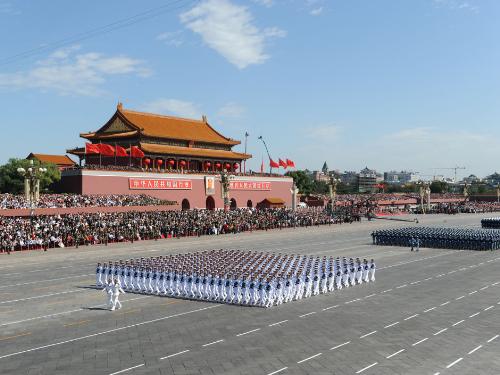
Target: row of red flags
(108,150)
(287,163)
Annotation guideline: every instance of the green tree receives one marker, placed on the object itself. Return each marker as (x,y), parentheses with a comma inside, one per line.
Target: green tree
(12,182)
(302,180)
(439,187)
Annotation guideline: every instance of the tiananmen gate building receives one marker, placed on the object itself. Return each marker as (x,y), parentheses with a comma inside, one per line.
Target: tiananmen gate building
(171,158)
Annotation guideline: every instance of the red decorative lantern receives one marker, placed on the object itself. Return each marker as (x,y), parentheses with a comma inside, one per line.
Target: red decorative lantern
(208,164)
(159,162)
(171,162)
(147,161)
(235,166)
(182,163)
(218,165)
(227,165)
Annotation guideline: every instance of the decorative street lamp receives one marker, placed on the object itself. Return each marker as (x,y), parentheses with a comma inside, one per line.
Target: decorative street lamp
(425,194)
(32,184)
(498,193)
(332,189)
(294,190)
(225,179)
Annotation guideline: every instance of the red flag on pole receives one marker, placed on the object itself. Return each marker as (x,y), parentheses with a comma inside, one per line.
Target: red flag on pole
(106,150)
(273,164)
(136,152)
(290,163)
(282,163)
(91,148)
(120,151)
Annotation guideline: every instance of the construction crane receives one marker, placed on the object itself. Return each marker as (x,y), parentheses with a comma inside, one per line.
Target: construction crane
(453,168)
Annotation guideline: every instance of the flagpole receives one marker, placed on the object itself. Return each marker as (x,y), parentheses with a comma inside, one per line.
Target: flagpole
(115,154)
(100,156)
(269,155)
(245,161)
(130,154)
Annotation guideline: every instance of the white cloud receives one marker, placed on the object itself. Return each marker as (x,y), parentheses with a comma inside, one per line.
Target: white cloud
(171,38)
(266,3)
(231,110)
(229,29)
(174,107)
(323,133)
(456,4)
(68,73)
(8,8)
(316,11)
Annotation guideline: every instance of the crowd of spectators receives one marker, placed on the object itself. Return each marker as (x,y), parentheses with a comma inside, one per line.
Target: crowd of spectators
(10,201)
(17,233)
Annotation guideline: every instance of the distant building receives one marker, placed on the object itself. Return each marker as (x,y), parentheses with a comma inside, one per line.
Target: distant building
(61,161)
(349,177)
(325,168)
(472,179)
(492,179)
(403,177)
(367,180)
(320,176)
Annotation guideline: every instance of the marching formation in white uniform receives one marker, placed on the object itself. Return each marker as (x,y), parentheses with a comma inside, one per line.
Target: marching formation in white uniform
(237,277)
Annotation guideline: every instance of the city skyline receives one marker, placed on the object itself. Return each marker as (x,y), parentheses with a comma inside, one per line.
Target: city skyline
(403,86)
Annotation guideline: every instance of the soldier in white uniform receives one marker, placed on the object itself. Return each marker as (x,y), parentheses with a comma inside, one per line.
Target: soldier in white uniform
(116,291)
(98,275)
(109,291)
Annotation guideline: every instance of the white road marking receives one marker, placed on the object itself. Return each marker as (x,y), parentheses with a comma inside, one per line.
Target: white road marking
(331,307)
(493,338)
(473,315)
(441,331)
(415,282)
(127,369)
(440,275)
(449,273)
(475,291)
(368,334)
(496,283)
(312,312)
(371,295)
(394,354)
(64,312)
(42,281)
(454,362)
(311,357)
(392,324)
(445,303)
(475,349)
(366,368)
(484,287)
(402,286)
(458,298)
(43,296)
(428,279)
(246,333)
(411,317)
(385,291)
(213,343)
(275,372)
(489,308)
(432,308)
(457,323)
(340,345)
(275,324)
(173,355)
(106,332)
(419,342)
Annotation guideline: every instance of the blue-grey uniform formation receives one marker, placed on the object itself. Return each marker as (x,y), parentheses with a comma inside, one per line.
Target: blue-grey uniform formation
(237,277)
(441,238)
(491,222)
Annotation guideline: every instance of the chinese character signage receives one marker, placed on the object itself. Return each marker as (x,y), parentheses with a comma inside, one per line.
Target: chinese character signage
(209,185)
(159,184)
(249,185)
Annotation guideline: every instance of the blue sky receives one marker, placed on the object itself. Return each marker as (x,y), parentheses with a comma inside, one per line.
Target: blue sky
(384,84)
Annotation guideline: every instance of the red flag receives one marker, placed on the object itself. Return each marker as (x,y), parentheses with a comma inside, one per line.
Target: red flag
(91,149)
(290,163)
(106,150)
(120,151)
(273,164)
(282,163)
(136,152)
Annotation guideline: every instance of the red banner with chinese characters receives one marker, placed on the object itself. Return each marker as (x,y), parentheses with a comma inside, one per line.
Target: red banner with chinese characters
(159,184)
(249,185)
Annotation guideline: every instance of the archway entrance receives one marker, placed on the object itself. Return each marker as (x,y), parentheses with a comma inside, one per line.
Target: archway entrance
(210,203)
(185,205)
(233,205)
(249,203)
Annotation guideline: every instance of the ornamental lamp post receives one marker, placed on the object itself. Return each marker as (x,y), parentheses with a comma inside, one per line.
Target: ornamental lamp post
(332,189)
(32,177)
(498,193)
(225,183)
(294,190)
(424,190)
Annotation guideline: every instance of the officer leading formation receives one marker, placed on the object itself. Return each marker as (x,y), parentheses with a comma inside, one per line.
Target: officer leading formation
(237,277)
(441,238)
